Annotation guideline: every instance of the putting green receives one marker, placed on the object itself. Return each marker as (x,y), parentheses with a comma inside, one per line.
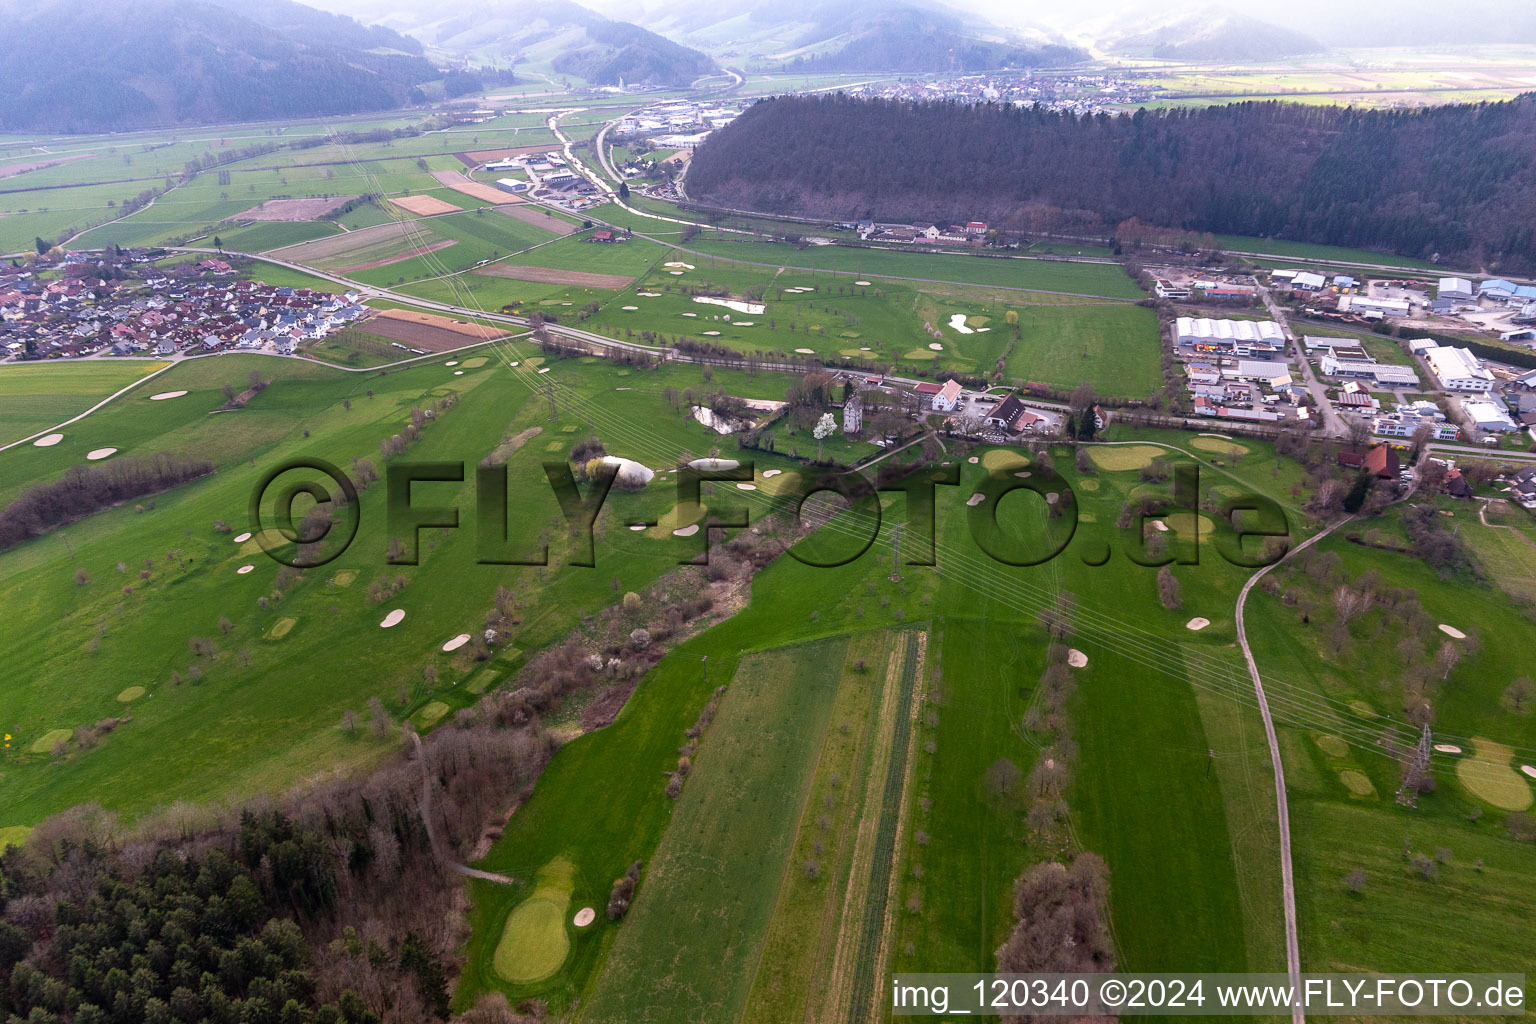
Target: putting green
(130,694)
(481,680)
(1362,709)
(1357,782)
(281,627)
(534,943)
(1489,776)
(675,518)
(1123,457)
(1087,485)
(1187,522)
(1216,444)
(45,743)
(344,577)
(429,715)
(1333,747)
(470,364)
(1004,461)
(14,835)
(921,353)
(273,539)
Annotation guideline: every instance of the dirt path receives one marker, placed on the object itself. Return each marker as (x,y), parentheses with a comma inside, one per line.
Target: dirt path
(426,818)
(863,935)
(1287,875)
(1482,515)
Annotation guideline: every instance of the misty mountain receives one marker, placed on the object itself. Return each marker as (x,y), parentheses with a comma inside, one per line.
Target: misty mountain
(564,36)
(89,65)
(1211,34)
(1459,180)
(859,35)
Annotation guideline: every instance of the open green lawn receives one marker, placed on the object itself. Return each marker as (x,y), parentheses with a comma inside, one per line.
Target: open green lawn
(687,950)
(1318,253)
(34,396)
(1115,348)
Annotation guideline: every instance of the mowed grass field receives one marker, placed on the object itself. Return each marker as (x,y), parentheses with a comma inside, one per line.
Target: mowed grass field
(34,396)
(687,949)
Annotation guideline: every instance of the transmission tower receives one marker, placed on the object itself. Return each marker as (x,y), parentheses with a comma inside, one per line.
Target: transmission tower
(1417,769)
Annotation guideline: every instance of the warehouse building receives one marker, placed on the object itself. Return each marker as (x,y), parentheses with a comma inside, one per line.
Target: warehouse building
(1457,288)
(1458,369)
(1237,337)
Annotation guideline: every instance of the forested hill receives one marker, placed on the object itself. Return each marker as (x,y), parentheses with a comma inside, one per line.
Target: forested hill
(1458,180)
(90,65)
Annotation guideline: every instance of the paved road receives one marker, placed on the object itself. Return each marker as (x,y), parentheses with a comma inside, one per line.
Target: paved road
(1287,876)
(1333,423)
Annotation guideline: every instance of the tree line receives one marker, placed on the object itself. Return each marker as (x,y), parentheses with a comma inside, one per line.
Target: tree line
(87,489)
(1457,180)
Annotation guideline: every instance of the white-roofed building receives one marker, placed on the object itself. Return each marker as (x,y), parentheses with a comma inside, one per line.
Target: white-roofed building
(1386,307)
(1307,281)
(1237,337)
(1456,288)
(1458,369)
(1489,416)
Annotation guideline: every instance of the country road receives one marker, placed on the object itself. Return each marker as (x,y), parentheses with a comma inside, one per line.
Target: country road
(1287,875)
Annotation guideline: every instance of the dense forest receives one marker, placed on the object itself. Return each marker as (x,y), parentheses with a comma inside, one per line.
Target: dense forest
(619,51)
(1456,180)
(93,65)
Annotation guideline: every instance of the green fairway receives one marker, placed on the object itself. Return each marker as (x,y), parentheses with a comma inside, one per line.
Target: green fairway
(34,396)
(1115,348)
(684,954)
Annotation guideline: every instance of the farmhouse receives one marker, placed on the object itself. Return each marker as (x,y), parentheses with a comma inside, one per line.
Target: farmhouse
(1458,369)
(1383,462)
(948,396)
(1011,417)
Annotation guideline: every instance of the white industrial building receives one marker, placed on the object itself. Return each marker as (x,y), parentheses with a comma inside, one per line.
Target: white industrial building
(1456,288)
(1386,307)
(1307,281)
(1458,369)
(1489,416)
(1385,374)
(1238,337)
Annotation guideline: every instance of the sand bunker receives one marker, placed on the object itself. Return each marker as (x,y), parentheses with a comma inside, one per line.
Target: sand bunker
(584,917)
(1447,748)
(162,396)
(676,263)
(690,314)
(862,284)
(806,351)
(636,527)
(649,295)
(712,334)
(242,538)
(513,363)
(1052,498)
(1159,526)
(686,531)
(746,487)
(1076,658)
(97,454)
(745,323)
(936,346)
(452,362)
(1452,632)
(973,460)
(675,273)
(629,309)
(975,499)
(244,569)
(543,369)
(957,323)
(1197,623)
(393,618)
(713,464)
(1529,770)
(755,308)
(456,642)
(769,474)
(48,442)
